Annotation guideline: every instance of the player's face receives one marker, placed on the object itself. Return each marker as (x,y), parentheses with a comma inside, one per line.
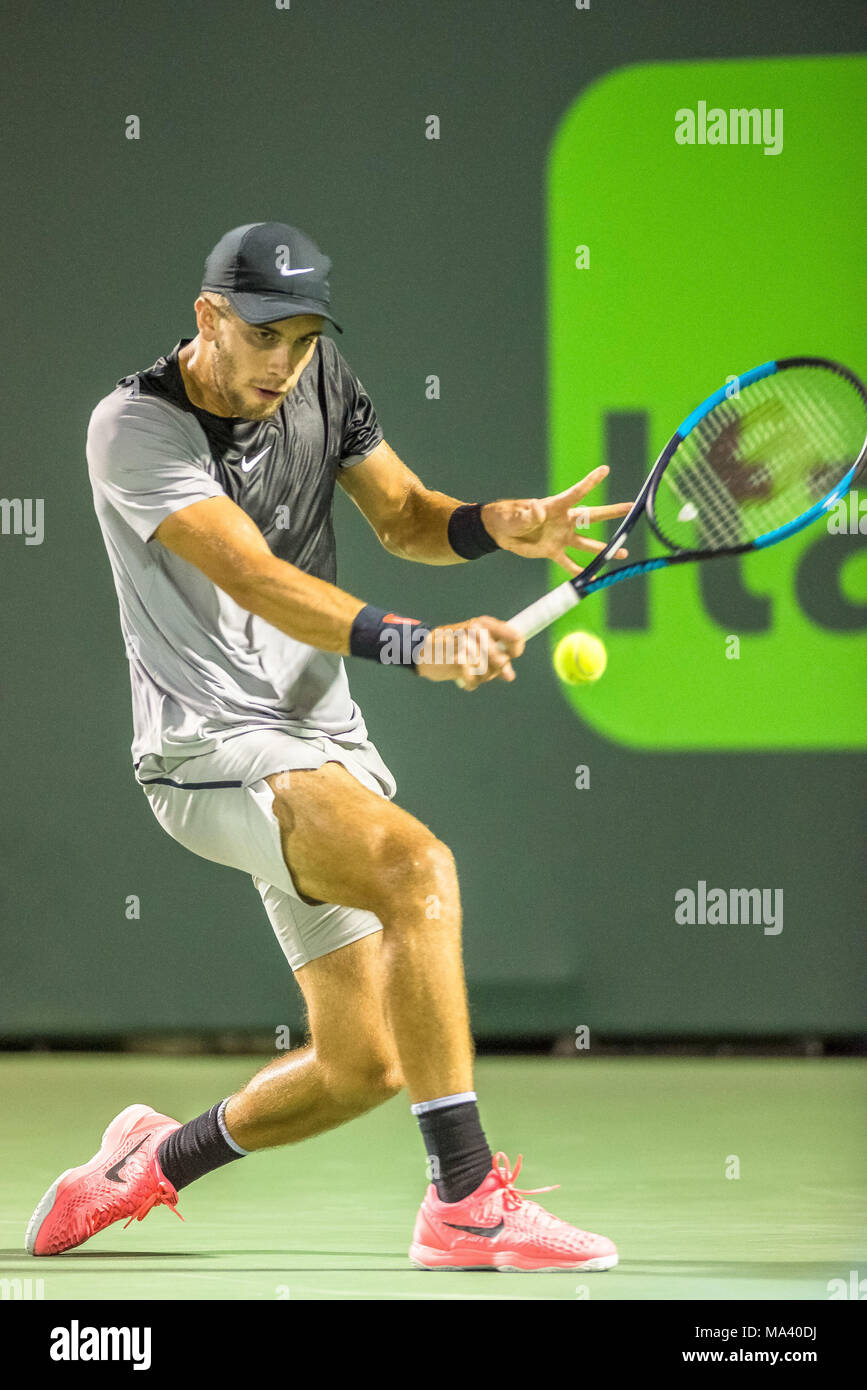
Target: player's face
(255,366)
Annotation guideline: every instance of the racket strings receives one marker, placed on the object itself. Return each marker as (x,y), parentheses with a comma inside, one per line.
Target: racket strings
(760,459)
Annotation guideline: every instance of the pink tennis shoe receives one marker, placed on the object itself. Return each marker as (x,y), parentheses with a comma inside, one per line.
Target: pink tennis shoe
(123,1179)
(496,1228)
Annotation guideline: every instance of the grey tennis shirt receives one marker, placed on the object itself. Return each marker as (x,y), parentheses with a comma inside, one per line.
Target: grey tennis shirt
(201,667)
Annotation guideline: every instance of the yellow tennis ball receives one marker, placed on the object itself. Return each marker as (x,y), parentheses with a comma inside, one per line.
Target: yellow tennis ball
(580,658)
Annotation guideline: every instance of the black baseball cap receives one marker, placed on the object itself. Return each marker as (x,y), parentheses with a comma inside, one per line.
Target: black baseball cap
(270,271)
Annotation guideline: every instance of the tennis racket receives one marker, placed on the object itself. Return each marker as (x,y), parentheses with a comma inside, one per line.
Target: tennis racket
(746,469)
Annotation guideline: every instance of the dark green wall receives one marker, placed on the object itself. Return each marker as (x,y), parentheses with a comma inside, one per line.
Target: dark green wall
(315,115)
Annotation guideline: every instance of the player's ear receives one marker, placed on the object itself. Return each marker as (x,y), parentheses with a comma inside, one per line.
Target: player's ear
(208,315)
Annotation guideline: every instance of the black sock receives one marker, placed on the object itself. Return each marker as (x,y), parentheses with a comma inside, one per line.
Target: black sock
(460,1158)
(195,1149)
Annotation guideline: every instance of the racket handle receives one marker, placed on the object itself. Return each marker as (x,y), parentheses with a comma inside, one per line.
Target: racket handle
(542,613)
(546,610)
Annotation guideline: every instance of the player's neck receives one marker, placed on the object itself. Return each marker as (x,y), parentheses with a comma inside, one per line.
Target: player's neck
(195,378)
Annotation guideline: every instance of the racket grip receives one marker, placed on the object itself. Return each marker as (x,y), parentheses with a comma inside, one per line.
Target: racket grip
(542,613)
(546,610)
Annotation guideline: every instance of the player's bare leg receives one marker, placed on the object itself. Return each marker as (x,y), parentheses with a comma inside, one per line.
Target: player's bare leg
(350,1066)
(392,1010)
(344,844)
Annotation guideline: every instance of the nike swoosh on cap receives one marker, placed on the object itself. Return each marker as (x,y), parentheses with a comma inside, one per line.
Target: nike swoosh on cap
(247,466)
(113,1173)
(489,1231)
(304,270)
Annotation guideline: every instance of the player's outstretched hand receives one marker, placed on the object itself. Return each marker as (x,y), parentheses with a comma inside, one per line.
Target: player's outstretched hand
(471,653)
(546,527)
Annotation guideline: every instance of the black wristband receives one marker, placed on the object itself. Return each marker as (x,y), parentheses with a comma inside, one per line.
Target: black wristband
(467,535)
(386,637)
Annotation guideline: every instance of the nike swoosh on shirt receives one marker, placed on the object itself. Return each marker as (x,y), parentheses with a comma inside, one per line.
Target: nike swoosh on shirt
(252,464)
(113,1173)
(489,1231)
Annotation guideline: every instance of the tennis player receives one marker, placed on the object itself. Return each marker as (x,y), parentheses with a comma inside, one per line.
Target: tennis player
(213,475)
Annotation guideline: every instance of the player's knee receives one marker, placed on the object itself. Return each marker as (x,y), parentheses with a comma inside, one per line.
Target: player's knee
(366,1082)
(390,1081)
(418,868)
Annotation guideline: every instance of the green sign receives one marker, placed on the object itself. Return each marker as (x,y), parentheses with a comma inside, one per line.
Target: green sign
(704,218)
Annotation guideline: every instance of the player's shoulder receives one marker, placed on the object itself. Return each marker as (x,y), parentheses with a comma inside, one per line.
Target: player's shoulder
(152,394)
(125,411)
(128,420)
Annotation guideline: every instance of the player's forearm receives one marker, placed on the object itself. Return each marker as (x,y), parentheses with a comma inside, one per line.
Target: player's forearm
(420,532)
(309,609)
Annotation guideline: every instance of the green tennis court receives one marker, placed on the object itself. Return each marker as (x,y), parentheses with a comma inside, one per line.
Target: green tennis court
(640,1148)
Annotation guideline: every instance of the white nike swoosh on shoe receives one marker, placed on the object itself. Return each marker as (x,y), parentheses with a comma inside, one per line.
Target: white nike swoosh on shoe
(252,464)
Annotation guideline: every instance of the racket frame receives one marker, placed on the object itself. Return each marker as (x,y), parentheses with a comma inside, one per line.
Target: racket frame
(560,600)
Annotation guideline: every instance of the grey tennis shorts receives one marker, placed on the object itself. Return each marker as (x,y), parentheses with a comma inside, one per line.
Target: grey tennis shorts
(219,806)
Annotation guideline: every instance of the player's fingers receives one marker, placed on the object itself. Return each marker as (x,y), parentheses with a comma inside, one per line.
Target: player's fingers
(585,543)
(589,515)
(564,560)
(496,662)
(495,671)
(579,490)
(475,661)
(477,673)
(490,660)
(508,637)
